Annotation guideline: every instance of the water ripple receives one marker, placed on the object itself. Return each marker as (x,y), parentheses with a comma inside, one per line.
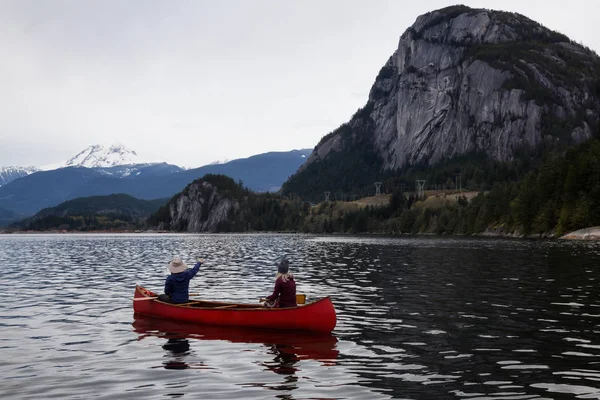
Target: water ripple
(418,318)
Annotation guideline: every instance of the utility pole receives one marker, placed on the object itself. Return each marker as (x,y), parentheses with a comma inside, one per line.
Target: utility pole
(327,196)
(457,182)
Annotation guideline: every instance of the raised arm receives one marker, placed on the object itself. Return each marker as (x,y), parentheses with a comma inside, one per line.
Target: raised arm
(190,273)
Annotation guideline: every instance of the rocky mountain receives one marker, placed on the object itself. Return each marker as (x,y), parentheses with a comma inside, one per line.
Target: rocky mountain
(205,205)
(9,174)
(462,81)
(216,203)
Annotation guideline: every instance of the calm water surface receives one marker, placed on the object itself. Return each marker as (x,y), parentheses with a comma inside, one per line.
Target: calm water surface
(418,318)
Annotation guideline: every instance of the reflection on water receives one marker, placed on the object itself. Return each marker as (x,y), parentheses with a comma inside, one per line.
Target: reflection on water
(286,347)
(418,318)
(178,347)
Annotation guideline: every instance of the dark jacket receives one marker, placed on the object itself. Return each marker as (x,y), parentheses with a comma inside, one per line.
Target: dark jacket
(177,285)
(285,292)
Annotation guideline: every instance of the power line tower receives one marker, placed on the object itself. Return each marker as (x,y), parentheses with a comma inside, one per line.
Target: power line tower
(327,196)
(420,188)
(378,188)
(457,182)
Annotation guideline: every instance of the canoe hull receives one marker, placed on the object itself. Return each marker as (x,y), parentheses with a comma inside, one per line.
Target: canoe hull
(317,316)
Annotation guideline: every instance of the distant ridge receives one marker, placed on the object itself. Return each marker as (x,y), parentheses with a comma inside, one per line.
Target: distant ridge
(29,194)
(115,211)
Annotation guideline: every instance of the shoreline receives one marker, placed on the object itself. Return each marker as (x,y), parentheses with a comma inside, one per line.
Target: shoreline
(587,234)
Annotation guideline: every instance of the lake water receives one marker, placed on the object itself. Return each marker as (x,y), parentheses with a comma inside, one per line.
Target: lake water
(418,318)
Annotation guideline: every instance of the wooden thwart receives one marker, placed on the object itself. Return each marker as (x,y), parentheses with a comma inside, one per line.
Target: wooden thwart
(227,306)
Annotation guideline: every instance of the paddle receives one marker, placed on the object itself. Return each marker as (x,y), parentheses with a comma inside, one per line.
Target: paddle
(156,297)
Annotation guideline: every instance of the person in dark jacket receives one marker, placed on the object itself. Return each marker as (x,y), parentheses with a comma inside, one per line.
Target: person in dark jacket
(284,294)
(177,284)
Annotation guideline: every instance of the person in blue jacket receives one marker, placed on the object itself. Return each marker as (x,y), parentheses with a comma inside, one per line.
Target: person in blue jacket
(177,284)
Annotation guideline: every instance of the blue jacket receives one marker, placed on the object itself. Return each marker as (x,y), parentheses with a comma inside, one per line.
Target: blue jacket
(177,285)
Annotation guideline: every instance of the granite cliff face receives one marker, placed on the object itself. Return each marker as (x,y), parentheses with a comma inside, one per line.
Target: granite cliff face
(216,203)
(465,80)
(201,207)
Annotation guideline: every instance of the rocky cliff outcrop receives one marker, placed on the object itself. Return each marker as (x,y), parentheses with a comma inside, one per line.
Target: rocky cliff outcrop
(201,207)
(215,203)
(465,80)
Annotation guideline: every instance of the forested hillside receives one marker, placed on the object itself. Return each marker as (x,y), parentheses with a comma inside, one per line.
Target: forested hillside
(117,211)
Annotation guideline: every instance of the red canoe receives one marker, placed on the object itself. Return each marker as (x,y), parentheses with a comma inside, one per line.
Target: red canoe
(315,316)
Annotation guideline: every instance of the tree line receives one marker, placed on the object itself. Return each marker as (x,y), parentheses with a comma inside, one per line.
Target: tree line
(561,194)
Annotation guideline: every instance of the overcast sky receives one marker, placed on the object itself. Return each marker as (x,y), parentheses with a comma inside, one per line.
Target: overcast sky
(191,82)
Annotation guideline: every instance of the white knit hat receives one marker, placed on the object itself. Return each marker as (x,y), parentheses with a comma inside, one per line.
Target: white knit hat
(176,266)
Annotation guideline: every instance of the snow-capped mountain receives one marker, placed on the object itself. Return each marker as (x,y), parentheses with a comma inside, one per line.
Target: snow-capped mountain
(8,174)
(115,160)
(99,156)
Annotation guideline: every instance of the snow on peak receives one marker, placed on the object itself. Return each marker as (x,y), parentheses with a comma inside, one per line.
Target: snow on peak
(9,174)
(219,162)
(101,156)
(15,169)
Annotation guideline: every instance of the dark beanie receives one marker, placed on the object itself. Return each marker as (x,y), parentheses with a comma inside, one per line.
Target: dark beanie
(283,267)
